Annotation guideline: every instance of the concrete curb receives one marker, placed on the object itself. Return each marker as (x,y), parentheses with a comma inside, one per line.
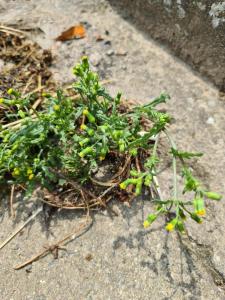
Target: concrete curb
(193,30)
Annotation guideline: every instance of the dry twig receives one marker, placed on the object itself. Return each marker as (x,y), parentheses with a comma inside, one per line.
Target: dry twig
(56,246)
(20,227)
(11,30)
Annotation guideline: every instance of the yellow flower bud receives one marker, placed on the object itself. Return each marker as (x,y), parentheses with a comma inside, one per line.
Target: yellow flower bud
(83,126)
(85,151)
(170,227)
(29,171)
(85,112)
(31,176)
(200,212)
(16,172)
(10,91)
(56,107)
(90,117)
(84,141)
(146,224)
(123,186)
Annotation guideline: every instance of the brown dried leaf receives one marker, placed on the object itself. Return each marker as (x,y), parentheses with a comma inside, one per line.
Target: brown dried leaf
(74,32)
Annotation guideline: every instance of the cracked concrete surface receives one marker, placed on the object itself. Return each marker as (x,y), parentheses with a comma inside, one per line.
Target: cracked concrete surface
(127,261)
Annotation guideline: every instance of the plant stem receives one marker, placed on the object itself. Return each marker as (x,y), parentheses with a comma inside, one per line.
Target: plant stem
(155,145)
(175,192)
(174,167)
(155,179)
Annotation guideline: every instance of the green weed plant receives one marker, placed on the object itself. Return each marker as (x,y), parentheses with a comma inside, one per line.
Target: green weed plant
(74,137)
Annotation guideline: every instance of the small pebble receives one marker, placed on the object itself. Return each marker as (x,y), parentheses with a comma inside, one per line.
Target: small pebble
(210,121)
(121,52)
(110,52)
(107,42)
(86,24)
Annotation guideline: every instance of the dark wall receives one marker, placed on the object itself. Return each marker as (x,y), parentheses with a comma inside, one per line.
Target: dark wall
(193,30)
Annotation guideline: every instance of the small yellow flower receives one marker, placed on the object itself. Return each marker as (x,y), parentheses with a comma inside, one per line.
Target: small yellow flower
(16,172)
(146,224)
(123,186)
(56,107)
(29,171)
(83,126)
(10,91)
(170,227)
(200,212)
(31,176)
(1,100)
(85,112)
(101,157)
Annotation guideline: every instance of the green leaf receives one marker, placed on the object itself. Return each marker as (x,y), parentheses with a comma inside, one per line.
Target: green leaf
(191,184)
(180,226)
(161,99)
(151,218)
(184,154)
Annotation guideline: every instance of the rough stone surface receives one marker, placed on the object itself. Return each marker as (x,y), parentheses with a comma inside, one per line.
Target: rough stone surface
(194,30)
(127,261)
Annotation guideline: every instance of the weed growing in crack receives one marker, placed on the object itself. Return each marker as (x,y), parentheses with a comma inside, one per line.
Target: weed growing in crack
(68,140)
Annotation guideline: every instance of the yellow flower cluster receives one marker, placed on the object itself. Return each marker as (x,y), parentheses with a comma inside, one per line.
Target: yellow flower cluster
(16,172)
(30,174)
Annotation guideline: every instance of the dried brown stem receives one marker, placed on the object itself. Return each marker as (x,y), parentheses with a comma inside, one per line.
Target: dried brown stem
(68,238)
(20,228)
